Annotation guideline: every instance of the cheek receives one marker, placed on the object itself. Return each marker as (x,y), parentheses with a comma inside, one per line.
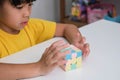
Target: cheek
(7,17)
(13,19)
(12,15)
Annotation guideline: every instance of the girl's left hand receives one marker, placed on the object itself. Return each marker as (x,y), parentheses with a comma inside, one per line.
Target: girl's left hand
(80,42)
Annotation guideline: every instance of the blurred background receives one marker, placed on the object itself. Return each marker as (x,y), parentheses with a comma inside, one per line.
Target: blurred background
(61,10)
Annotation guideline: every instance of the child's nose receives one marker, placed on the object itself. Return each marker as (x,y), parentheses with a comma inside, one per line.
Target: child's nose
(27,12)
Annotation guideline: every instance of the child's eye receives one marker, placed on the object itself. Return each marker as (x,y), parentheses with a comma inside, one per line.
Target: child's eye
(19,6)
(30,4)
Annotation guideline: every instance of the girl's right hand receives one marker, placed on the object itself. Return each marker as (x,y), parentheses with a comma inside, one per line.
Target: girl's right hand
(53,57)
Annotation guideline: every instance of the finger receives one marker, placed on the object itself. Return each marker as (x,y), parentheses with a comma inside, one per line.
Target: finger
(56,44)
(78,38)
(86,50)
(81,38)
(44,54)
(60,48)
(60,56)
(47,55)
(46,51)
(44,58)
(56,50)
(61,62)
(82,41)
(53,46)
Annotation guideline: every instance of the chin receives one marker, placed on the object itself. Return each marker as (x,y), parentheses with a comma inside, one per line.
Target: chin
(21,27)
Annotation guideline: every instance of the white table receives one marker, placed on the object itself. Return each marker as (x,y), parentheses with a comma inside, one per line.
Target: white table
(103,63)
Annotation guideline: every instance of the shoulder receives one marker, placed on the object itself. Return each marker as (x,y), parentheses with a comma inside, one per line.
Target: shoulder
(42,29)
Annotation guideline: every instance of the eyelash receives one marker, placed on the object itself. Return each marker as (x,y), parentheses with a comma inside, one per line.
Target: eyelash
(21,6)
(30,4)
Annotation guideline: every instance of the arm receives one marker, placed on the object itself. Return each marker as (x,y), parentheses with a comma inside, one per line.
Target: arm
(51,58)
(18,71)
(73,35)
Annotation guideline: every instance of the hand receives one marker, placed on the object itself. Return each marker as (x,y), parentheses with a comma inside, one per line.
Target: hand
(73,35)
(80,42)
(53,56)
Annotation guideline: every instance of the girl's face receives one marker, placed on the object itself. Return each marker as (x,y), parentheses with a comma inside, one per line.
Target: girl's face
(13,19)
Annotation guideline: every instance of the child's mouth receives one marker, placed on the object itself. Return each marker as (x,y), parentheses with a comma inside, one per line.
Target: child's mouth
(24,23)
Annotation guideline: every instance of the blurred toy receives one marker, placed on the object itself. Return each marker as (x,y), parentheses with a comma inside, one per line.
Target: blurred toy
(73,59)
(114,19)
(98,11)
(75,11)
(78,11)
(95,14)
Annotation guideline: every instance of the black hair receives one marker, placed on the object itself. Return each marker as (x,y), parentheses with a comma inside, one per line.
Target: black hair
(16,2)
(19,2)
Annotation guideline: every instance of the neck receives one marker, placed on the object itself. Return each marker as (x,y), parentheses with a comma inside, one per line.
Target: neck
(12,31)
(9,30)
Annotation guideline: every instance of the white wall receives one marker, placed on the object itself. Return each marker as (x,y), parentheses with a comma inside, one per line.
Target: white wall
(46,9)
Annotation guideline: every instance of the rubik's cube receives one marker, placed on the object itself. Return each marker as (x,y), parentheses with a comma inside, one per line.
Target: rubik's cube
(73,59)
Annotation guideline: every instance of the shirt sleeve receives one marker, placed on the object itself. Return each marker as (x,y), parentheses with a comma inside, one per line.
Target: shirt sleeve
(42,29)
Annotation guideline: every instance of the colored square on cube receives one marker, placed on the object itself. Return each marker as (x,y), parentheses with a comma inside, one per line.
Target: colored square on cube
(73,59)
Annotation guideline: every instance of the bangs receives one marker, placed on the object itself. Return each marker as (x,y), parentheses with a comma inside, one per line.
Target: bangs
(19,2)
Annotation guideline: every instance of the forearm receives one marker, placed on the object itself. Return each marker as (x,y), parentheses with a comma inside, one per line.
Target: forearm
(71,33)
(18,71)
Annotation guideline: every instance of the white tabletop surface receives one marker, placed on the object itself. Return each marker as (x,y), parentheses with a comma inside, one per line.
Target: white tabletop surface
(103,63)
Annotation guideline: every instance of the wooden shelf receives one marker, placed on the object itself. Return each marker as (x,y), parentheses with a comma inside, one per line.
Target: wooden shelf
(64,19)
(78,24)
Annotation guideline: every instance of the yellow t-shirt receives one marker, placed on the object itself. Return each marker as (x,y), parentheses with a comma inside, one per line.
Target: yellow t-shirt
(35,31)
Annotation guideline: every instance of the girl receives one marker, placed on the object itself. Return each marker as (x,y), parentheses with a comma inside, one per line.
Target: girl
(18,31)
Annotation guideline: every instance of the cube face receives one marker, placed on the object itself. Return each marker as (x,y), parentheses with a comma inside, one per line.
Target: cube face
(73,59)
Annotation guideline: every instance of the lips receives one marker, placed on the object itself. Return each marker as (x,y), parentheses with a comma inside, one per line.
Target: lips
(24,23)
